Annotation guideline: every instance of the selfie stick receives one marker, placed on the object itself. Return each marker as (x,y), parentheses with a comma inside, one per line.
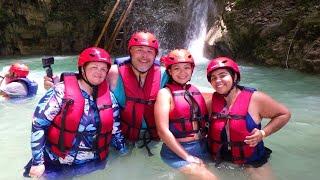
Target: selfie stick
(46,64)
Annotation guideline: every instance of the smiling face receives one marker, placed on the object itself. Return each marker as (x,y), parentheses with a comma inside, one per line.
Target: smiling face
(142,57)
(96,72)
(221,80)
(181,72)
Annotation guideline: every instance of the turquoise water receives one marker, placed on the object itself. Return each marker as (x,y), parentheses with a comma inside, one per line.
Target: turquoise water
(295,147)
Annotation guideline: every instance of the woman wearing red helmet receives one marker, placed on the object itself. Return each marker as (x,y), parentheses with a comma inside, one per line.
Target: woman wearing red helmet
(73,123)
(235,132)
(15,84)
(181,115)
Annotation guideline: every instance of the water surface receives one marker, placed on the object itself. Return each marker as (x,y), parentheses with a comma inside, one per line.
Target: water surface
(295,147)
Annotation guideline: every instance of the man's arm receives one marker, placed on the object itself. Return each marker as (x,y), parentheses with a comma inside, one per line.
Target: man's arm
(112,77)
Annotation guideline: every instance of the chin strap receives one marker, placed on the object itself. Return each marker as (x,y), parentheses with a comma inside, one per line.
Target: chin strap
(232,87)
(94,87)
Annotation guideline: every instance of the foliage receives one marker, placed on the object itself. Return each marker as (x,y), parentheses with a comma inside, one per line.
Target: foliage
(247,3)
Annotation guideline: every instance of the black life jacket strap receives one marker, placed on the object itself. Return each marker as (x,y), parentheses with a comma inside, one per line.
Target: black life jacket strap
(141,101)
(66,104)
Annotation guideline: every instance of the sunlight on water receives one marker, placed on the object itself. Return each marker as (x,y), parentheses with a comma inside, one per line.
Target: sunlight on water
(295,147)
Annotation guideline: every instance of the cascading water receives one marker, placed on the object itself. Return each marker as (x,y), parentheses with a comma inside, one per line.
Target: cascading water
(197,13)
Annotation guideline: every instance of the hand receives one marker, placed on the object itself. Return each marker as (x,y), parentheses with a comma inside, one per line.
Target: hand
(48,82)
(255,137)
(193,159)
(37,171)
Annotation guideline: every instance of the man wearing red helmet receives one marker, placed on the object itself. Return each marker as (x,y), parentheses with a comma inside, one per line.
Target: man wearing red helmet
(15,84)
(235,132)
(75,121)
(136,81)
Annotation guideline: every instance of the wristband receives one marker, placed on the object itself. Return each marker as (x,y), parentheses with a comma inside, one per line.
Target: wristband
(263,133)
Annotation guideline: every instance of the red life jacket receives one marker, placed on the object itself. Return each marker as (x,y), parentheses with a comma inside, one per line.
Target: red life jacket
(183,114)
(64,128)
(139,102)
(236,118)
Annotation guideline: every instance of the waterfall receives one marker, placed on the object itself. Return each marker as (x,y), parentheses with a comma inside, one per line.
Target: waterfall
(197,14)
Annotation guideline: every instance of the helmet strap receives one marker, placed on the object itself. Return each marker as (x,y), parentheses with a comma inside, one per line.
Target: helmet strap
(85,79)
(234,84)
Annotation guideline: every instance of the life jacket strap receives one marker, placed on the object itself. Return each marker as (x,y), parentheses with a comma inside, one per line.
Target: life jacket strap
(141,101)
(146,140)
(216,115)
(66,104)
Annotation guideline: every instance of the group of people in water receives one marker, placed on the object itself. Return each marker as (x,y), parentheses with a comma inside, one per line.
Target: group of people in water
(137,99)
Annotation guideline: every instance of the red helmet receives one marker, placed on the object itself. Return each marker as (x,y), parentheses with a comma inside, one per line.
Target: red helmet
(20,70)
(144,39)
(177,56)
(94,54)
(222,62)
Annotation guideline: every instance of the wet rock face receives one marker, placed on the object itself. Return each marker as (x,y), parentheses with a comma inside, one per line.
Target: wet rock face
(48,26)
(67,27)
(280,33)
(164,18)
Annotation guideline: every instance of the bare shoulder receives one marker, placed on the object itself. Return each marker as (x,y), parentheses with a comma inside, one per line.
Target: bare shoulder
(266,105)
(262,98)
(164,92)
(259,96)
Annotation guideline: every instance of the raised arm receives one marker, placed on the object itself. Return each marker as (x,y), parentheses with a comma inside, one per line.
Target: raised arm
(50,82)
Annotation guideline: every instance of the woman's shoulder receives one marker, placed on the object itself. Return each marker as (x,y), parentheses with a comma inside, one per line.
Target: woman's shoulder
(259,96)
(164,91)
(164,94)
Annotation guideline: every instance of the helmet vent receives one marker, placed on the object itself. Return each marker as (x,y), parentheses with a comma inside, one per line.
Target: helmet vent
(154,41)
(92,55)
(225,61)
(136,39)
(171,58)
